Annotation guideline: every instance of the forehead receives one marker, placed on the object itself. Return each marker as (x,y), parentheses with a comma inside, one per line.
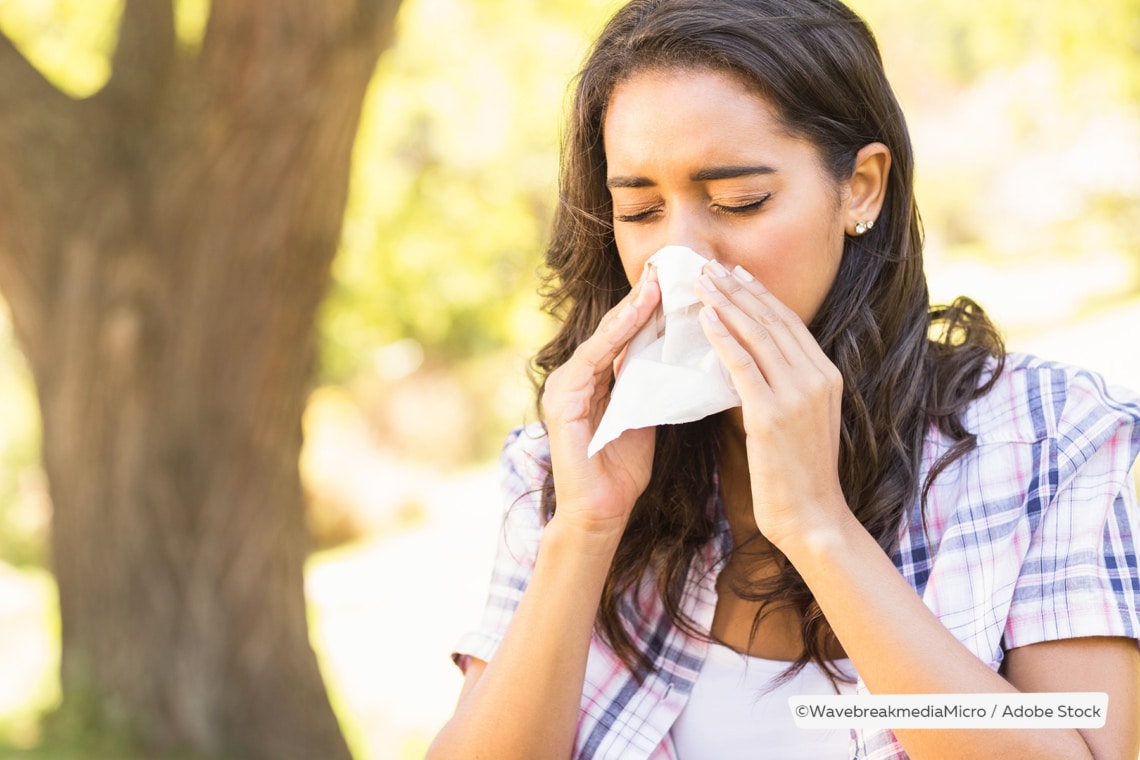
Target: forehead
(702,113)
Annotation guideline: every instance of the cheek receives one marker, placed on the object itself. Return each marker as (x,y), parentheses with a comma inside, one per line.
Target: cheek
(799,267)
(633,269)
(632,259)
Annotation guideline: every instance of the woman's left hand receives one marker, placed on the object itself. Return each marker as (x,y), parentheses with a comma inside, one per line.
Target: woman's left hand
(790,396)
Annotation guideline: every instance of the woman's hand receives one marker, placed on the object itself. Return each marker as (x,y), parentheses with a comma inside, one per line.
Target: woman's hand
(597,493)
(790,396)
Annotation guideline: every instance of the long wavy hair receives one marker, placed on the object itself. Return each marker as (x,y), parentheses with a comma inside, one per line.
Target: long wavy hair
(906,367)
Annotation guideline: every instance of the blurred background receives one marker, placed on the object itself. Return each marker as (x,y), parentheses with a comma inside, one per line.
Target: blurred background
(1025,115)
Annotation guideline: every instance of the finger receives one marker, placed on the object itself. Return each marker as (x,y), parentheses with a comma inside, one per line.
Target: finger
(577,390)
(746,376)
(620,360)
(825,377)
(752,325)
(596,355)
(758,303)
(794,327)
(650,276)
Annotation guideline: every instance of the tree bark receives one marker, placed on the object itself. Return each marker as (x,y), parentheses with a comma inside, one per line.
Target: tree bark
(164,246)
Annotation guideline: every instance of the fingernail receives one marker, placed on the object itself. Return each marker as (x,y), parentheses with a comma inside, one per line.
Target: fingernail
(717,268)
(709,315)
(742,274)
(706,283)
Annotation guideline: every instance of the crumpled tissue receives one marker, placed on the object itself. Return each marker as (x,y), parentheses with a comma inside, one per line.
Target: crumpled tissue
(670,374)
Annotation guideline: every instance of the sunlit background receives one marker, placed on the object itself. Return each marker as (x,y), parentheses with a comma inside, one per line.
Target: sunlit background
(1025,116)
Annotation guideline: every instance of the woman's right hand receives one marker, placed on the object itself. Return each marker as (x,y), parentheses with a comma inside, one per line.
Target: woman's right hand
(596,494)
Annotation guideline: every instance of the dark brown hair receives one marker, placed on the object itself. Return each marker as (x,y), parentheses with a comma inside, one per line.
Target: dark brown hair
(905,367)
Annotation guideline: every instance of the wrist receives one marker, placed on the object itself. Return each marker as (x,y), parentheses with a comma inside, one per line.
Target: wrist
(597,539)
(827,538)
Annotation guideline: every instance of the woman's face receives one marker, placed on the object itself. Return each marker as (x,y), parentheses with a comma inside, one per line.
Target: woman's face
(697,159)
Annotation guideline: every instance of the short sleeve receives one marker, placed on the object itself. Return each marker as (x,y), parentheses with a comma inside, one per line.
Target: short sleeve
(1079,577)
(524,464)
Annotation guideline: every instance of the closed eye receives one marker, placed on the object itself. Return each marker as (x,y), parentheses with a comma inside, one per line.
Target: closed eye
(641,216)
(744,208)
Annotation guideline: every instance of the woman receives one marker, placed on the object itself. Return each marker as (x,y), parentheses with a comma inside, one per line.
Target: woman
(896,503)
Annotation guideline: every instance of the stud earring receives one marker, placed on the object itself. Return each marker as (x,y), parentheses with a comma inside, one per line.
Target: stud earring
(864,227)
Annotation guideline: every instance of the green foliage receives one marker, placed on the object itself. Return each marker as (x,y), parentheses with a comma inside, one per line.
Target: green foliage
(1025,116)
(24,513)
(29,658)
(434,306)
(454,181)
(190,18)
(69,41)
(967,39)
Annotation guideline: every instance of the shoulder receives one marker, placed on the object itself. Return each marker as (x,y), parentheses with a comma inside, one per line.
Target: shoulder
(1045,432)
(1029,536)
(1035,400)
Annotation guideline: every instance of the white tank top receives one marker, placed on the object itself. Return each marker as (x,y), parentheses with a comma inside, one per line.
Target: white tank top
(729,716)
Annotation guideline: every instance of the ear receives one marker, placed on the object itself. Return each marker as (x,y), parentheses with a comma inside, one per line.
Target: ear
(867,187)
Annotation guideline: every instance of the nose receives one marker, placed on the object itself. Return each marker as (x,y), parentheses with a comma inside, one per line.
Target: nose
(686,226)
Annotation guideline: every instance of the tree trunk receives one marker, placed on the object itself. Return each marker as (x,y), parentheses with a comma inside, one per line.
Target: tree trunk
(164,246)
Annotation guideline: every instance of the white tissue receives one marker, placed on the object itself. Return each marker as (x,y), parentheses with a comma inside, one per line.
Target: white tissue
(671,374)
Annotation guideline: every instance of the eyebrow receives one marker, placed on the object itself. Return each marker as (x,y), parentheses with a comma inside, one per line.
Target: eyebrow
(701,175)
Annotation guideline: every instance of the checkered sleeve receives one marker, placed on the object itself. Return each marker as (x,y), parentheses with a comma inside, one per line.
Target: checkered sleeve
(524,464)
(1079,576)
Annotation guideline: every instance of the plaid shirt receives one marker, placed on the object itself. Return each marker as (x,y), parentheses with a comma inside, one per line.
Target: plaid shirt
(1030,538)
